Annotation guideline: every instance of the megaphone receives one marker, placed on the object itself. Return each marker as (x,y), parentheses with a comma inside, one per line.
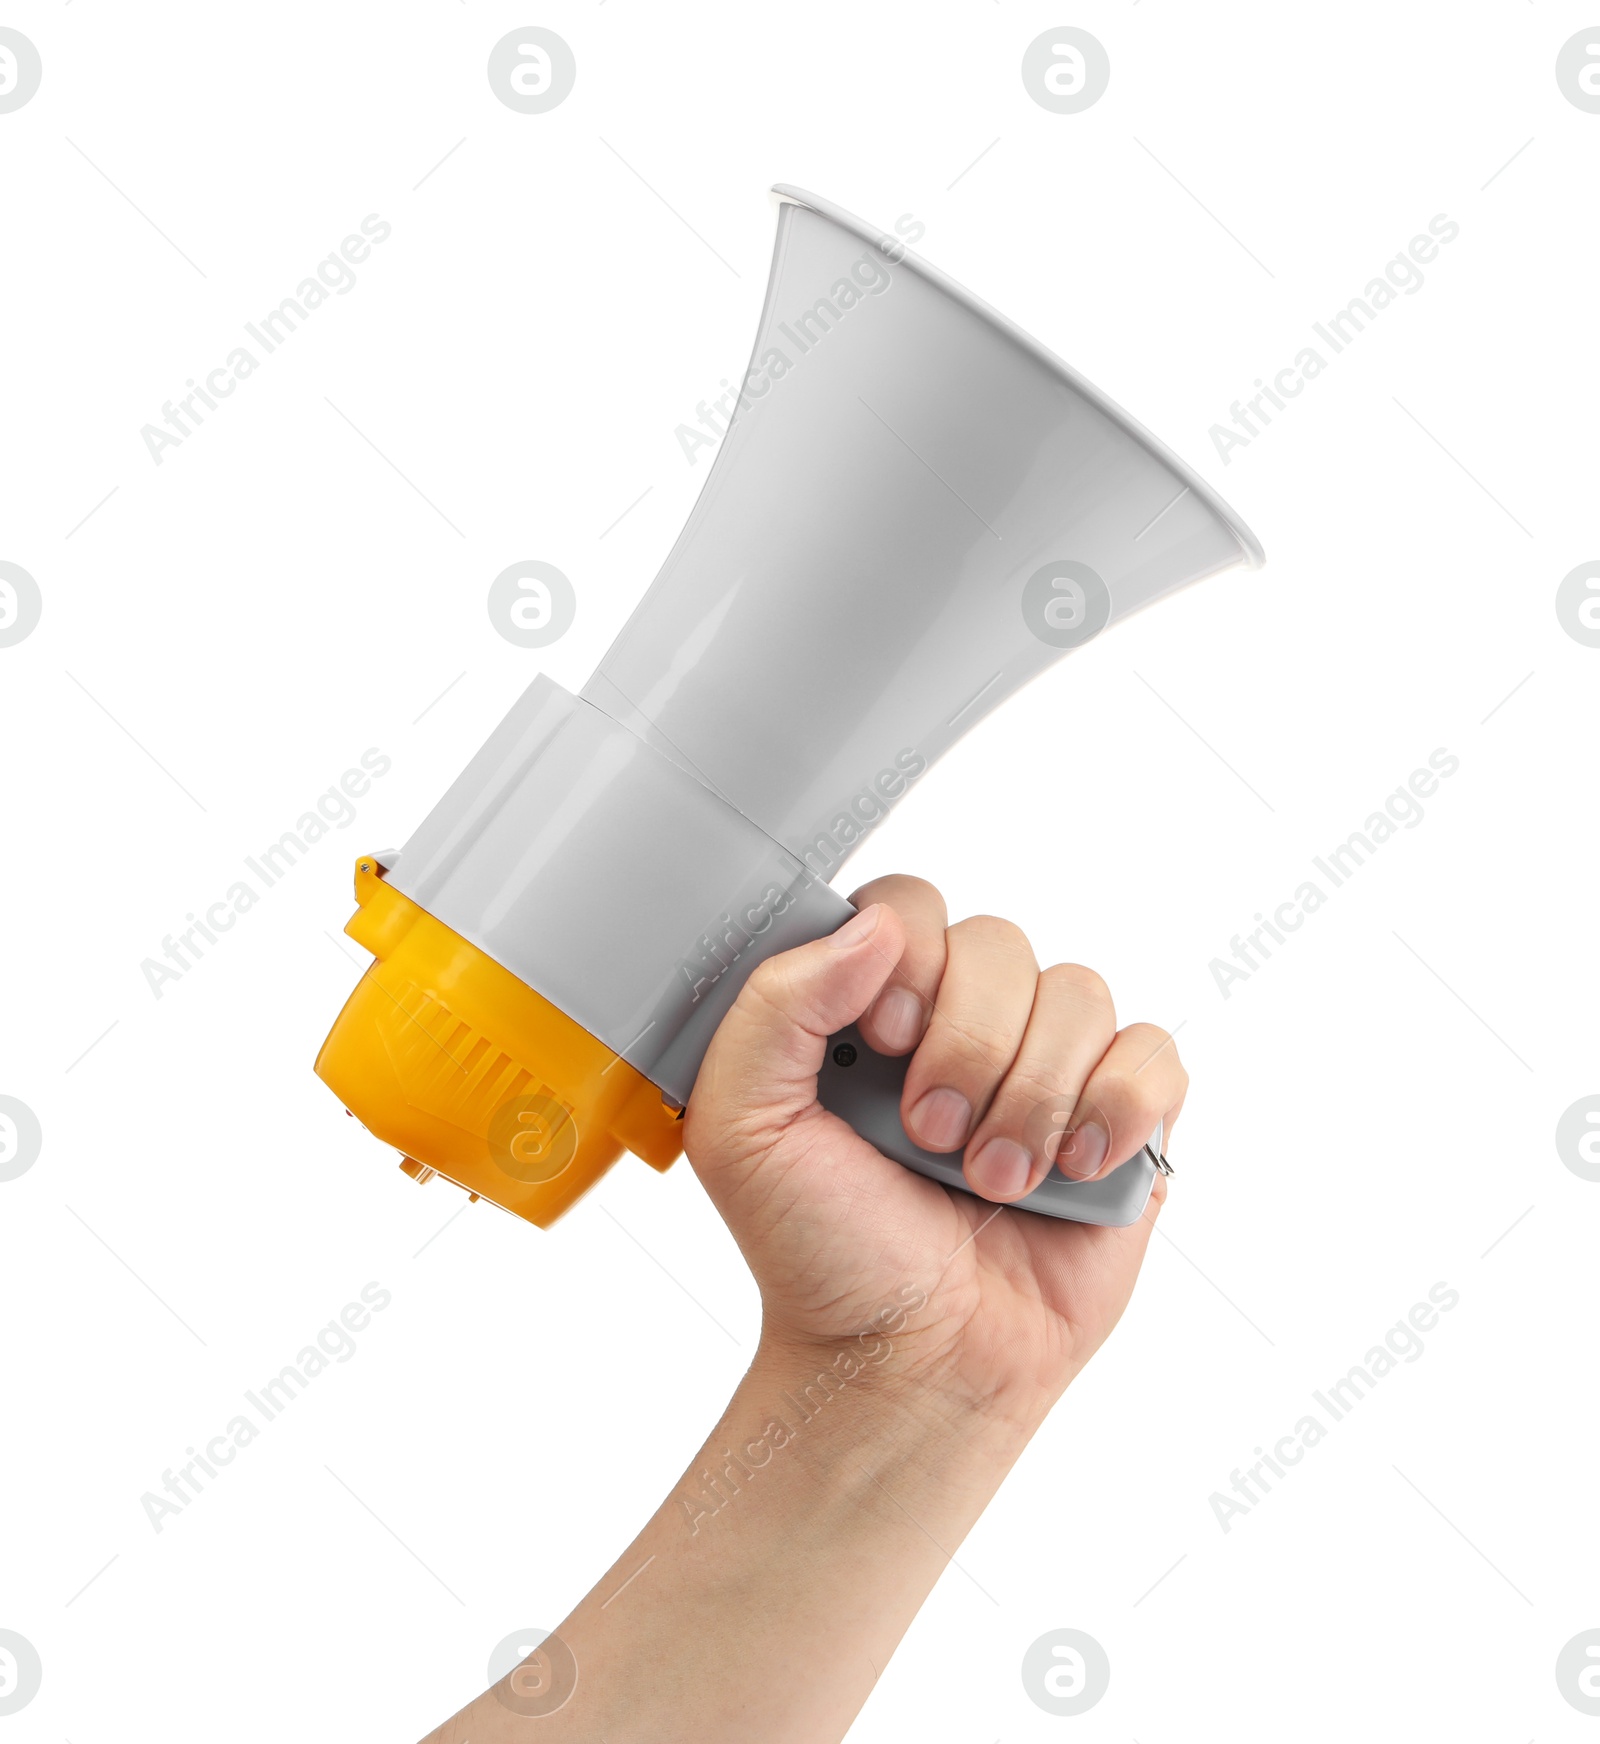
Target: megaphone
(915,509)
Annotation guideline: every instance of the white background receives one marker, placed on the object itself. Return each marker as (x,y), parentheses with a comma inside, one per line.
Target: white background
(1371,1111)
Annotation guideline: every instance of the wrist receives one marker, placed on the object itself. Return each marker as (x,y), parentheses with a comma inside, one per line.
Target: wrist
(895,1401)
(919,1365)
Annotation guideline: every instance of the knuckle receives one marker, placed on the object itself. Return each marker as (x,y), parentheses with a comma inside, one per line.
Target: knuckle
(1155,1047)
(768,982)
(1028,1089)
(1133,1100)
(773,986)
(968,1044)
(778,998)
(1081,986)
(901,889)
(991,933)
(913,886)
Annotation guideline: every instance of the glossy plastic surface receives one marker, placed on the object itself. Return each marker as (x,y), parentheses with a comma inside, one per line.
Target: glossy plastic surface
(469,1073)
(612,882)
(855,588)
(866,1094)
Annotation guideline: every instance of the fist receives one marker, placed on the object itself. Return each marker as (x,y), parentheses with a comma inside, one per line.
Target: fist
(1016,1067)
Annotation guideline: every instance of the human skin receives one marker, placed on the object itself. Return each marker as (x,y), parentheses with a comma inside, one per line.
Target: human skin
(767,1593)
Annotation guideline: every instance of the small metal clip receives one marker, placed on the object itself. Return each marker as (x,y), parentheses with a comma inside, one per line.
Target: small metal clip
(1160,1162)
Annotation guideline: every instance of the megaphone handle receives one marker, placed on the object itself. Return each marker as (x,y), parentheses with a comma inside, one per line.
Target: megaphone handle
(863,1088)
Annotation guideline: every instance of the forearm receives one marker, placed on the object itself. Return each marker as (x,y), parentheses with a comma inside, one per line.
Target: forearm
(806,1533)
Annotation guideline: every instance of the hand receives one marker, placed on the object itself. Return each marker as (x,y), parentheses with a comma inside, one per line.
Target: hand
(836,1233)
(810,1532)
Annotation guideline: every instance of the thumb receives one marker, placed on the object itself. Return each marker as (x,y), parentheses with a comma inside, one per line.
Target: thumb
(760,1071)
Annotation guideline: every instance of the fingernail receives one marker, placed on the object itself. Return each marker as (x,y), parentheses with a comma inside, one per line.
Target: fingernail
(1001,1169)
(941,1120)
(1083,1150)
(897,1017)
(858,929)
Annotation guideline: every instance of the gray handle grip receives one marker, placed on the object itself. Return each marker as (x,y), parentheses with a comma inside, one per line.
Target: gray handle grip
(863,1088)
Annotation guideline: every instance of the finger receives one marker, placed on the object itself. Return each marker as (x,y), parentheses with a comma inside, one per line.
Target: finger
(979,1017)
(1166,1129)
(760,1071)
(1139,1084)
(896,1020)
(1072,1024)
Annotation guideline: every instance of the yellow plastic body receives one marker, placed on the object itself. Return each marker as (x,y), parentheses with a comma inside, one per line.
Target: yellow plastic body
(461,1066)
